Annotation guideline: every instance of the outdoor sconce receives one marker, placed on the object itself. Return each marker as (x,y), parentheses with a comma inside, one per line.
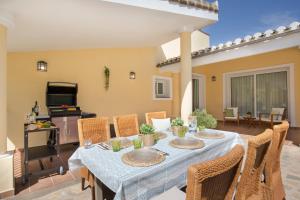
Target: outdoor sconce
(132,75)
(42,66)
(213,78)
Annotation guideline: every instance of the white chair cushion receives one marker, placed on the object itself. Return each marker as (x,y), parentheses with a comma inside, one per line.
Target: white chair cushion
(235,111)
(231,118)
(264,119)
(161,124)
(171,194)
(278,112)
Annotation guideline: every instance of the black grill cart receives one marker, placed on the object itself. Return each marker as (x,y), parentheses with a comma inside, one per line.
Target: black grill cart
(39,152)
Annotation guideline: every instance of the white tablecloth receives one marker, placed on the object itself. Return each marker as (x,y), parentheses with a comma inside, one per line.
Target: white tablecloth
(131,183)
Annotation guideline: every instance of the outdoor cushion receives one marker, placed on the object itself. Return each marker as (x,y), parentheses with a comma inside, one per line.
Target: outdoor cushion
(278,112)
(235,111)
(161,124)
(264,119)
(173,193)
(231,118)
(229,112)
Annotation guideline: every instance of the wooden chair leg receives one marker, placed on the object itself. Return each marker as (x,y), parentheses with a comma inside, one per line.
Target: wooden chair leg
(82,183)
(93,192)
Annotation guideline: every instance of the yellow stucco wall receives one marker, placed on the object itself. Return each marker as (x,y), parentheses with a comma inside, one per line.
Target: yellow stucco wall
(85,67)
(214,90)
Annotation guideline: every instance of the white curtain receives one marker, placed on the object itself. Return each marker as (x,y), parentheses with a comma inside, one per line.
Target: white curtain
(271,91)
(242,94)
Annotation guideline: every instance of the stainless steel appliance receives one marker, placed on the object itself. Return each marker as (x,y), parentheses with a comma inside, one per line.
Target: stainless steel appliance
(61,100)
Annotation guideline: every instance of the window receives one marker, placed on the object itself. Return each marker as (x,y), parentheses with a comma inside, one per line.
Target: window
(162,88)
(259,91)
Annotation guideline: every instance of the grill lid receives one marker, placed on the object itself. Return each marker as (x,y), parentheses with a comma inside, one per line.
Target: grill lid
(61,93)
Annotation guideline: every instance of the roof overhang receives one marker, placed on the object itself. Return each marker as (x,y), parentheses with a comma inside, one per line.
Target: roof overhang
(77,24)
(284,41)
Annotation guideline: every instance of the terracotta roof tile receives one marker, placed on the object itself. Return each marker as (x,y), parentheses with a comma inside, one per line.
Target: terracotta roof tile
(238,42)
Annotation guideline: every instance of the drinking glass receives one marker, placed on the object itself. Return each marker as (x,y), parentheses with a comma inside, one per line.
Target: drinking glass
(137,143)
(192,120)
(182,131)
(116,145)
(87,143)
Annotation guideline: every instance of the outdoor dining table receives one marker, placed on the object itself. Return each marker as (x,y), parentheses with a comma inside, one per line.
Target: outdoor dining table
(142,183)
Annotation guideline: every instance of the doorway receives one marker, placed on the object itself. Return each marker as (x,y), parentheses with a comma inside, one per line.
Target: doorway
(198,91)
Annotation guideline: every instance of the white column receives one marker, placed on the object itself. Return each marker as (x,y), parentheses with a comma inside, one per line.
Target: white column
(186,75)
(6,158)
(3,90)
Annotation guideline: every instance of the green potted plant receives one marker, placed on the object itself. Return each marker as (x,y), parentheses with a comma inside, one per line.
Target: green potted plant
(204,120)
(106,74)
(178,127)
(147,134)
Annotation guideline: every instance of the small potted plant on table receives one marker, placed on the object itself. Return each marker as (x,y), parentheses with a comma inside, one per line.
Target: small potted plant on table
(178,127)
(147,134)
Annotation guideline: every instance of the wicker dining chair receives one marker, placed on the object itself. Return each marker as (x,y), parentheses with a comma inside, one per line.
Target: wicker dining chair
(273,171)
(215,179)
(252,185)
(212,180)
(155,115)
(97,130)
(126,125)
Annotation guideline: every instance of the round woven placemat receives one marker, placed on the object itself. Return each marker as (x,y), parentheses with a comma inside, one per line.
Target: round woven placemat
(187,143)
(161,135)
(207,135)
(125,142)
(143,158)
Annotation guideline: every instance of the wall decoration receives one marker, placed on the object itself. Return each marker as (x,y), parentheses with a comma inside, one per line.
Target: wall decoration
(106,74)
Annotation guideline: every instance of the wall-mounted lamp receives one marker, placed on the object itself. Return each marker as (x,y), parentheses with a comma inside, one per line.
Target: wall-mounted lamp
(132,75)
(213,78)
(41,66)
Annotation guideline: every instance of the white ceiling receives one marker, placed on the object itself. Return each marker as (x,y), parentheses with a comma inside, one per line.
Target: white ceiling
(72,24)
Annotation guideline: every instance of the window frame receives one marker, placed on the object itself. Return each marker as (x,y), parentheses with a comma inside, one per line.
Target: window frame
(154,80)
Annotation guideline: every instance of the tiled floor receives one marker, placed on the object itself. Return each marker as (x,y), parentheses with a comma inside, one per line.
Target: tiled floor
(47,180)
(55,180)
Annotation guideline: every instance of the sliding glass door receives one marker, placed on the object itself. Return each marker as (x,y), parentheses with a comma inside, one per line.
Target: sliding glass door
(259,92)
(242,94)
(271,91)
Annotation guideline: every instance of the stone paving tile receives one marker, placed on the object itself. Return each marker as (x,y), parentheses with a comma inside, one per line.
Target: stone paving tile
(291,171)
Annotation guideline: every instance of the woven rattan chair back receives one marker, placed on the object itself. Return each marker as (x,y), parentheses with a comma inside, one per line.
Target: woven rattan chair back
(95,129)
(155,115)
(216,179)
(273,170)
(126,125)
(251,183)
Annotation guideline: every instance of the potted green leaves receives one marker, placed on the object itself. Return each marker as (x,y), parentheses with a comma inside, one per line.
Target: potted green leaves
(204,120)
(106,74)
(147,134)
(178,127)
